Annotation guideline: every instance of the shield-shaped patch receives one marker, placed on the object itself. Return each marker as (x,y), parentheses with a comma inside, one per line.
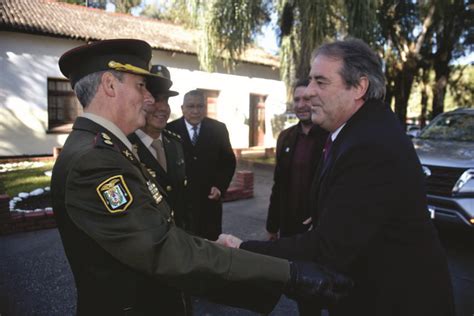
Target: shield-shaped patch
(114,194)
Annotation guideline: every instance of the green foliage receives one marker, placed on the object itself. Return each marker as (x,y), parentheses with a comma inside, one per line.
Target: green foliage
(461,88)
(409,35)
(180,12)
(124,6)
(229,26)
(25,180)
(98,4)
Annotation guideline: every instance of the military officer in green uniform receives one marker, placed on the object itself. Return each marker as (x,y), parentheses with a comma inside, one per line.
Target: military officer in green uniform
(161,151)
(116,228)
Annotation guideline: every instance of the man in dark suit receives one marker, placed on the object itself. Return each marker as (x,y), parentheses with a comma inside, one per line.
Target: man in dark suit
(117,230)
(162,154)
(210,163)
(298,151)
(369,196)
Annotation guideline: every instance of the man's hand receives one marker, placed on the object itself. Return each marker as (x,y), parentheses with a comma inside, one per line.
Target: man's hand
(309,281)
(215,194)
(229,241)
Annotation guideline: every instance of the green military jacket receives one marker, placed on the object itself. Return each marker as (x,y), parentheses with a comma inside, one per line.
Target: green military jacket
(173,180)
(117,229)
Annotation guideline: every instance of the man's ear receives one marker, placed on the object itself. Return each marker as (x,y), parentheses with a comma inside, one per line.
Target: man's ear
(361,88)
(182,109)
(109,84)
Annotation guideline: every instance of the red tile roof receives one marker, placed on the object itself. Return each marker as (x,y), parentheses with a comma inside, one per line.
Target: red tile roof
(48,17)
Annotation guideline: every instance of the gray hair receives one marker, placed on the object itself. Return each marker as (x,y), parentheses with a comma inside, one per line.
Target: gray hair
(194,93)
(358,60)
(86,88)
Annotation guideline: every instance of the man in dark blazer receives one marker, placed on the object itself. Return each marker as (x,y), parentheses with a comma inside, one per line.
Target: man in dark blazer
(369,196)
(210,163)
(117,230)
(298,151)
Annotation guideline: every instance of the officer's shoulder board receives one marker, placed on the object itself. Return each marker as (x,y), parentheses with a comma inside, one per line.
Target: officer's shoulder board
(115,195)
(172,135)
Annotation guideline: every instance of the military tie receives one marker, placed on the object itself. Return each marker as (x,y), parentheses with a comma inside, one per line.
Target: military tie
(195,135)
(157,144)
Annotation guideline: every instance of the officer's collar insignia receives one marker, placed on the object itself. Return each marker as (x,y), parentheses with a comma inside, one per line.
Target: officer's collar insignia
(128,154)
(151,172)
(114,194)
(154,192)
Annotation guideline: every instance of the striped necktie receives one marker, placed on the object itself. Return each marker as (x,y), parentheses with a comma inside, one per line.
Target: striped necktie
(195,135)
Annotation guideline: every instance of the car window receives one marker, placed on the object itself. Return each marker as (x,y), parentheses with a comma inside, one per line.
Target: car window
(451,126)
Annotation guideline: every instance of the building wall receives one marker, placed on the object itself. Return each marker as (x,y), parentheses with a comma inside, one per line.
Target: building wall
(26,61)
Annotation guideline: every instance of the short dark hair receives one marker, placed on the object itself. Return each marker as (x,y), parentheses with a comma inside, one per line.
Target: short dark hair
(301,83)
(194,93)
(358,60)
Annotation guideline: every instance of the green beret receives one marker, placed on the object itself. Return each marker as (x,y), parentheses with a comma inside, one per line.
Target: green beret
(125,55)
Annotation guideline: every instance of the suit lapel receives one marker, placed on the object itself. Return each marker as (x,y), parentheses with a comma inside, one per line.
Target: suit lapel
(183,131)
(204,134)
(171,158)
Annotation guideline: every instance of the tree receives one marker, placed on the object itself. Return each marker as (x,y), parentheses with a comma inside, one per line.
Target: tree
(98,4)
(454,19)
(413,37)
(403,55)
(125,6)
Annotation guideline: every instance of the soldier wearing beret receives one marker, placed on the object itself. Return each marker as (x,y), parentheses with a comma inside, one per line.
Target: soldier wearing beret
(117,229)
(161,151)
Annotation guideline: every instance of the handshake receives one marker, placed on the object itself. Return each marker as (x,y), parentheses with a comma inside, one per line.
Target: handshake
(308,280)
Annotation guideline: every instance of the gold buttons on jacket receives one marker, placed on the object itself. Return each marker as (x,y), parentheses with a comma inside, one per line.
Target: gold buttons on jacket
(169,188)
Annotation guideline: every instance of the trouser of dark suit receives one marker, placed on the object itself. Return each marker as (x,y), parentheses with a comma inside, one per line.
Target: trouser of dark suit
(308,308)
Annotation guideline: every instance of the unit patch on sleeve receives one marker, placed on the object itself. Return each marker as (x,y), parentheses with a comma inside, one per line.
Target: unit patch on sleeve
(114,194)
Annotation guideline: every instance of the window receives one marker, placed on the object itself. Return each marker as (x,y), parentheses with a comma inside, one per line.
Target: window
(63,106)
(210,97)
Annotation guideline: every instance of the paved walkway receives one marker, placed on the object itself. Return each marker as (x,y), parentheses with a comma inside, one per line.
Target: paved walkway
(35,278)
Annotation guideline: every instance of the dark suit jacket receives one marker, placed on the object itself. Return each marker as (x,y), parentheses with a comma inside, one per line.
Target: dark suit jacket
(211,162)
(373,222)
(282,216)
(117,232)
(173,180)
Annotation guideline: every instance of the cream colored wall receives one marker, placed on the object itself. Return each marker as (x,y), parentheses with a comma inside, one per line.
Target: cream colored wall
(26,61)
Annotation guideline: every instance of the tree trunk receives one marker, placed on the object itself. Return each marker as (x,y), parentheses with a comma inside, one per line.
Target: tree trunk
(424,96)
(439,89)
(403,83)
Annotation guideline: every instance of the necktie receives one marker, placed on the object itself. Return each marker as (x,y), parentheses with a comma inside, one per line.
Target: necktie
(157,144)
(327,147)
(195,135)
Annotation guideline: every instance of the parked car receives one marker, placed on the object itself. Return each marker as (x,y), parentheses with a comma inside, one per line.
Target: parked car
(446,151)
(413,130)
